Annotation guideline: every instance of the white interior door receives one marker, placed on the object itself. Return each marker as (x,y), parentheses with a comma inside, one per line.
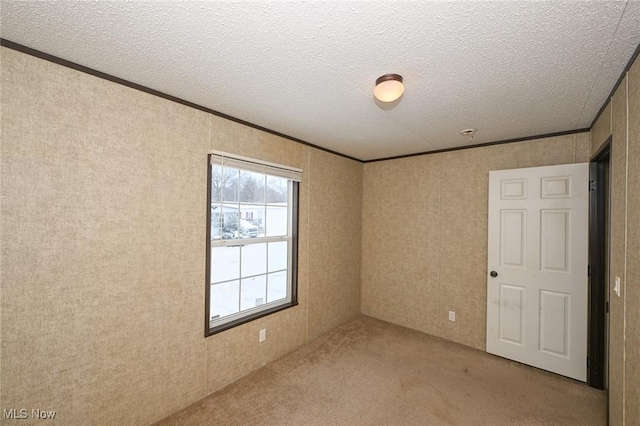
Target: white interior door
(537,250)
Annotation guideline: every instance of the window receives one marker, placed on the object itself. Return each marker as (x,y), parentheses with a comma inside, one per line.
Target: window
(252,243)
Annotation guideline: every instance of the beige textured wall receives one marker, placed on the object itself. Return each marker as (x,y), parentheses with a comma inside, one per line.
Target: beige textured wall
(601,129)
(102,247)
(334,252)
(103,202)
(618,172)
(624,318)
(400,242)
(425,233)
(632,347)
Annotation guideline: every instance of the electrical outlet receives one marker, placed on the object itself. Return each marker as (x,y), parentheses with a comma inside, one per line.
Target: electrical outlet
(452,316)
(263,335)
(616,287)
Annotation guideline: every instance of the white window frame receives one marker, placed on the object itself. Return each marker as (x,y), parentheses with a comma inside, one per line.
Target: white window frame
(293,176)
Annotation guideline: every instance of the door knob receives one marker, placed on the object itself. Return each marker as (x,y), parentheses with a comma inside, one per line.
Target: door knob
(493,274)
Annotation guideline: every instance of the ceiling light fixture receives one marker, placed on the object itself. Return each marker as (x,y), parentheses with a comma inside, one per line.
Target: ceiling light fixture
(389,87)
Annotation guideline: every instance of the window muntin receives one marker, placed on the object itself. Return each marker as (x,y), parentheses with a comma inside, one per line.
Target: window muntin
(252,241)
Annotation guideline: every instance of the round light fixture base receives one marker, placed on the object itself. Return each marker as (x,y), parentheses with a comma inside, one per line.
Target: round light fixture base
(389,87)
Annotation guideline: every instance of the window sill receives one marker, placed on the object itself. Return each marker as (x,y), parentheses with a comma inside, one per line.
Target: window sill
(226,326)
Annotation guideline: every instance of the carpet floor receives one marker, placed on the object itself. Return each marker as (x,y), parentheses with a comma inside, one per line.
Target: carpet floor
(369,372)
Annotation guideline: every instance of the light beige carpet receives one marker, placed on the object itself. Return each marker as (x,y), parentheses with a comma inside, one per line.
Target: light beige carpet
(369,372)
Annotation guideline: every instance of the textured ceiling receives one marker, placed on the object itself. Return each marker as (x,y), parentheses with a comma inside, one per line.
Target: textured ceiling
(307,69)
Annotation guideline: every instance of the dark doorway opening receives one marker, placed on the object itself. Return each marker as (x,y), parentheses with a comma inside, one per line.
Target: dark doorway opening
(598,267)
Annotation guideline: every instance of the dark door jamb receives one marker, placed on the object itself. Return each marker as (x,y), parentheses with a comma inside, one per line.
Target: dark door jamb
(598,255)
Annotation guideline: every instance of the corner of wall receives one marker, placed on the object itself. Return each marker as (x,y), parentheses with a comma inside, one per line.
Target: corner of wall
(601,130)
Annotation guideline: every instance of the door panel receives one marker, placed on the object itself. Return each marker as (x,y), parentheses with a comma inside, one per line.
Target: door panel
(554,322)
(537,245)
(512,237)
(512,314)
(554,244)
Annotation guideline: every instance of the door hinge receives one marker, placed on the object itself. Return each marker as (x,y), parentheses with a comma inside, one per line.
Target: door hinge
(588,362)
(592,185)
(589,271)
(607,307)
